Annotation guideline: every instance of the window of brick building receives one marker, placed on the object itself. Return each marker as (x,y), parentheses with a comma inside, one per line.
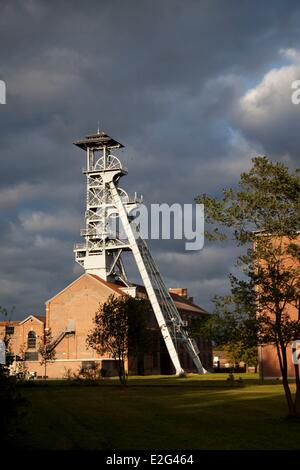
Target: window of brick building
(87,365)
(31,340)
(9,329)
(31,356)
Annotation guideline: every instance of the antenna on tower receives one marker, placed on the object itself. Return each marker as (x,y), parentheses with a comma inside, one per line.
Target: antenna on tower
(98,129)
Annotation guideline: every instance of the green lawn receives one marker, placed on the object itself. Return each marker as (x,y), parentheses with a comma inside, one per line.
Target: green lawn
(198,412)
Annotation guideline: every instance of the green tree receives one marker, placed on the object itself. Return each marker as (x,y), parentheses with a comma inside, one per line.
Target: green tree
(47,350)
(225,331)
(3,311)
(7,338)
(11,402)
(239,353)
(120,329)
(263,216)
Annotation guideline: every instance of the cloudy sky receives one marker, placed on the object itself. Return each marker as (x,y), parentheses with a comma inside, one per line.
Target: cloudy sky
(193,89)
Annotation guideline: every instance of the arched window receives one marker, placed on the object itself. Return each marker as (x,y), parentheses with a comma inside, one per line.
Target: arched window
(31,340)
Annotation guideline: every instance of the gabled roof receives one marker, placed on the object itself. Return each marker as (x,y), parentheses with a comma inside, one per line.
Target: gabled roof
(110,285)
(9,322)
(180,302)
(186,304)
(39,318)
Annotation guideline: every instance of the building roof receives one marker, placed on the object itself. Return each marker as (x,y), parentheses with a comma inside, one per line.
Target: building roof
(185,304)
(33,317)
(181,303)
(41,318)
(100,140)
(9,322)
(110,285)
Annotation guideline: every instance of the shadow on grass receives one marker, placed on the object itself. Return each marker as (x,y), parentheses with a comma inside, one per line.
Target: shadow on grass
(193,380)
(158,417)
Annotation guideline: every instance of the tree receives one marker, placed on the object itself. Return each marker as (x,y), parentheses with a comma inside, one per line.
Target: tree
(263,216)
(20,363)
(120,329)
(46,350)
(3,311)
(7,338)
(225,331)
(11,402)
(237,353)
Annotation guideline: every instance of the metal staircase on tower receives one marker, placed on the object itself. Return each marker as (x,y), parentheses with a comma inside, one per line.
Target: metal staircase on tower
(101,253)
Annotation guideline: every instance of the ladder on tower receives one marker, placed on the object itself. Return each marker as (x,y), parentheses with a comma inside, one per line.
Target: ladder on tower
(165,310)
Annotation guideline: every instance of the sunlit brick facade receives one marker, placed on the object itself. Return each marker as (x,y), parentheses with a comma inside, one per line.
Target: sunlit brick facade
(268,359)
(76,305)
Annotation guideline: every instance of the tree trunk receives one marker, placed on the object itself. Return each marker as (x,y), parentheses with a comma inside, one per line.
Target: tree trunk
(121,371)
(288,396)
(281,351)
(297,395)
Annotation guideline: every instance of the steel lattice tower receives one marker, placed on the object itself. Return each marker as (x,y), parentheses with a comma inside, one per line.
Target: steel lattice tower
(101,253)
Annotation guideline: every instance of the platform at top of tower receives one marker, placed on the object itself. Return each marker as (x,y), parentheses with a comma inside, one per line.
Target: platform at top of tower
(99,140)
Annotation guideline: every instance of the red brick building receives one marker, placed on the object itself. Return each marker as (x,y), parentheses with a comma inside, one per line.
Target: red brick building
(268,359)
(70,314)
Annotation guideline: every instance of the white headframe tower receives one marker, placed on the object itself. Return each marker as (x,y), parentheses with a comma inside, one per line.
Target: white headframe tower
(101,253)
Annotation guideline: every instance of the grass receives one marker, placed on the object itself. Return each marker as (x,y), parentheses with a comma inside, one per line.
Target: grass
(197,412)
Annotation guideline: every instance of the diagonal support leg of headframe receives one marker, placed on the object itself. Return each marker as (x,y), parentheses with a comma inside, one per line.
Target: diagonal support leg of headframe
(166,313)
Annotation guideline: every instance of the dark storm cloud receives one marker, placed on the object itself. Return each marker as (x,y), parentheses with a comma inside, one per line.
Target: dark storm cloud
(168,79)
